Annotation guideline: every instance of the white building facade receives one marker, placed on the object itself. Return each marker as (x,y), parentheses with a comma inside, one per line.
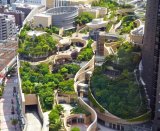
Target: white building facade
(7,26)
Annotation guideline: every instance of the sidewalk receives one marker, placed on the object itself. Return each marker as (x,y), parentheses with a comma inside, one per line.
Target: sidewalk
(6,106)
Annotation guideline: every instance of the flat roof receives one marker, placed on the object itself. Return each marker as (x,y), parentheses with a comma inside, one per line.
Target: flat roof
(43,15)
(37,33)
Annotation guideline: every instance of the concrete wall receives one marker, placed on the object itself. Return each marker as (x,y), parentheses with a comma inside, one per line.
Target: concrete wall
(65,97)
(45,21)
(80,76)
(31,99)
(134,37)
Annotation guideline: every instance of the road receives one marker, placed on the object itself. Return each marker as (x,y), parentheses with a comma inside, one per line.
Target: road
(6,106)
(33,120)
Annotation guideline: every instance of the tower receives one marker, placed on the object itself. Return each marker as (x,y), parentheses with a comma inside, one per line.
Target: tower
(151,59)
(100,43)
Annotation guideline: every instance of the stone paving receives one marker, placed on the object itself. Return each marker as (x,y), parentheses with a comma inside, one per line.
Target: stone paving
(6,106)
(33,121)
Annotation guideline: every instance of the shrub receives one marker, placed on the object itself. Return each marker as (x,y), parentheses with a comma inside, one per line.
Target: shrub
(84,18)
(75,129)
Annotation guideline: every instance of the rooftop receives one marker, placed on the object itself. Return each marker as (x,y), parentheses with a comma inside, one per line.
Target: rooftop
(97,23)
(36,33)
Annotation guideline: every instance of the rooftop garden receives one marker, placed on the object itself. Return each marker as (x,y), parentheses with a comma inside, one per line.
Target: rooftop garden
(75,129)
(38,80)
(30,46)
(128,24)
(84,18)
(86,53)
(49,30)
(78,109)
(110,4)
(55,123)
(114,84)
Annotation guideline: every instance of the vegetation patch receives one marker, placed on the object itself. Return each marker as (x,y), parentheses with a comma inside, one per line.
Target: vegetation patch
(55,122)
(86,53)
(38,80)
(78,109)
(84,18)
(35,46)
(128,24)
(119,94)
(75,129)
(110,4)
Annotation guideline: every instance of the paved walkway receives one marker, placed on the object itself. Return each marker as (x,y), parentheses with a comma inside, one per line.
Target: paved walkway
(33,122)
(6,106)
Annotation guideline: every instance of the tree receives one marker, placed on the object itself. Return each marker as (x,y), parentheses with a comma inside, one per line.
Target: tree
(84,18)
(54,120)
(63,70)
(14,123)
(59,108)
(75,129)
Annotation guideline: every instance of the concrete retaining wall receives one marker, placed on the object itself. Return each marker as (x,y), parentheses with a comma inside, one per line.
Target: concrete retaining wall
(80,76)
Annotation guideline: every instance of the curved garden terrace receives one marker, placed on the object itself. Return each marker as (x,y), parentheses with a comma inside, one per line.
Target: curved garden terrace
(115,86)
(34,45)
(39,80)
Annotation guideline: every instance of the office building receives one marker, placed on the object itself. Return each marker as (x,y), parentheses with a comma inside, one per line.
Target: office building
(19,16)
(7,26)
(151,61)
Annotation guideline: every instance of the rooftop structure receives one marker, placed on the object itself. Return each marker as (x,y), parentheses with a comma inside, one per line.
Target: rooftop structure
(42,20)
(19,16)
(150,59)
(35,33)
(33,2)
(63,16)
(97,23)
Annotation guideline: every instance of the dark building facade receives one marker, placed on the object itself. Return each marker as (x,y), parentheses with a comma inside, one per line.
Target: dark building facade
(151,59)
(101,37)
(19,16)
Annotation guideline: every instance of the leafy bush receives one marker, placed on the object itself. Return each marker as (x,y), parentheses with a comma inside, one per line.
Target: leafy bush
(84,18)
(94,102)
(69,68)
(1,90)
(86,53)
(112,5)
(38,80)
(68,32)
(75,129)
(67,86)
(79,110)
(52,29)
(54,119)
(128,24)
(35,46)
(120,95)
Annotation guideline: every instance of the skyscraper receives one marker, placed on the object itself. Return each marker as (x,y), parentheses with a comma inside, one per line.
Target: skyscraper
(7,26)
(151,59)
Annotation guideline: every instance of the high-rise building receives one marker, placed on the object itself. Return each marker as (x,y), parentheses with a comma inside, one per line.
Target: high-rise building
(151,59)
(19,16)
(7,26)
(3,29)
